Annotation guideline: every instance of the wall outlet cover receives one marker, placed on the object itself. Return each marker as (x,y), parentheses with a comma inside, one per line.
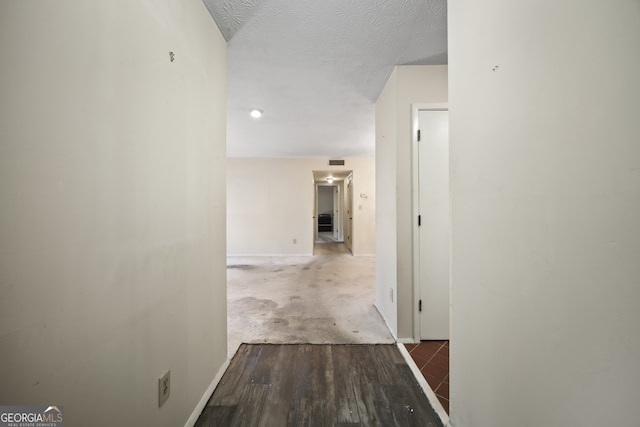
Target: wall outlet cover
(164,388)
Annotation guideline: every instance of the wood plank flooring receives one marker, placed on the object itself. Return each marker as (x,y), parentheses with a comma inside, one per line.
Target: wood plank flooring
(318,385)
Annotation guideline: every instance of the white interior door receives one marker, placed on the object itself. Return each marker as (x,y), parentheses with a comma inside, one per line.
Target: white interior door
(337,213)
(348,229)
(315,212)
(435,224)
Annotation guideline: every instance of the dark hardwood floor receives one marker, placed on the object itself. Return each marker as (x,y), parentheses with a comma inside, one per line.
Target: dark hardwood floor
(318,385)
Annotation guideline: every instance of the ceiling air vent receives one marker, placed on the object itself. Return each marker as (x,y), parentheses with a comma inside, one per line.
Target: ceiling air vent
(336,162)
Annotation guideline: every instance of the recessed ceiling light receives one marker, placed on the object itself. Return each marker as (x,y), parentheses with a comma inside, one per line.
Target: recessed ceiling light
(256,114)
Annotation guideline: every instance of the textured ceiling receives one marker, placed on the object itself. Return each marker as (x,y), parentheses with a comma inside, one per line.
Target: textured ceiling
(316,67)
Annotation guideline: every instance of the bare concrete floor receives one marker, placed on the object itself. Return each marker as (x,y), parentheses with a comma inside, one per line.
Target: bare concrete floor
(324,299)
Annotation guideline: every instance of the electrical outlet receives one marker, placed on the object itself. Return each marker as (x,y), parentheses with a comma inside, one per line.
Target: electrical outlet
(164,388)
(391,294)
(295,241)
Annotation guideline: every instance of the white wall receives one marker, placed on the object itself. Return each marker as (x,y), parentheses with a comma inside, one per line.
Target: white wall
(386,212)
(408,84)
(270,203)
(112,207)
(545,156)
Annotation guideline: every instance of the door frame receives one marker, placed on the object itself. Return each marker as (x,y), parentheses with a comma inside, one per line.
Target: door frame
(338,229)
(415,210)
(337,204)
(348,213)
(315,216)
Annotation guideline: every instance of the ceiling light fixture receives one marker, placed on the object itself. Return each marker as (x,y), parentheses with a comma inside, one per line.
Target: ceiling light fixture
(255,113)
(330,180)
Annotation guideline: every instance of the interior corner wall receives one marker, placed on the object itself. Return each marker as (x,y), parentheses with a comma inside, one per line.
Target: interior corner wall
(545,168)
(386,256)
(270,204)
(408,85)
(112,207)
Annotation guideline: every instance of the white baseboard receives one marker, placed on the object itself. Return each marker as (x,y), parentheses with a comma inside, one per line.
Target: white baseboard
(433,399)
(384,319)
(207,395)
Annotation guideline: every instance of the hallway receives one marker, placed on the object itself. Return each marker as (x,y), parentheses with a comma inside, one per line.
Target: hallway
(325,299)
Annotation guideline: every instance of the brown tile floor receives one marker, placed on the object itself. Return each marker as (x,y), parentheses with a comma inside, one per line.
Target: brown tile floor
(432,358)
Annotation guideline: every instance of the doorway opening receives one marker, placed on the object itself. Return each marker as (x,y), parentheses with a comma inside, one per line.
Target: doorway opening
(332,212)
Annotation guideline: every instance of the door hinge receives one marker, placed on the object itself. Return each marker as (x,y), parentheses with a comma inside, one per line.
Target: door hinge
(418,134)
(419,220)
(420,305)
